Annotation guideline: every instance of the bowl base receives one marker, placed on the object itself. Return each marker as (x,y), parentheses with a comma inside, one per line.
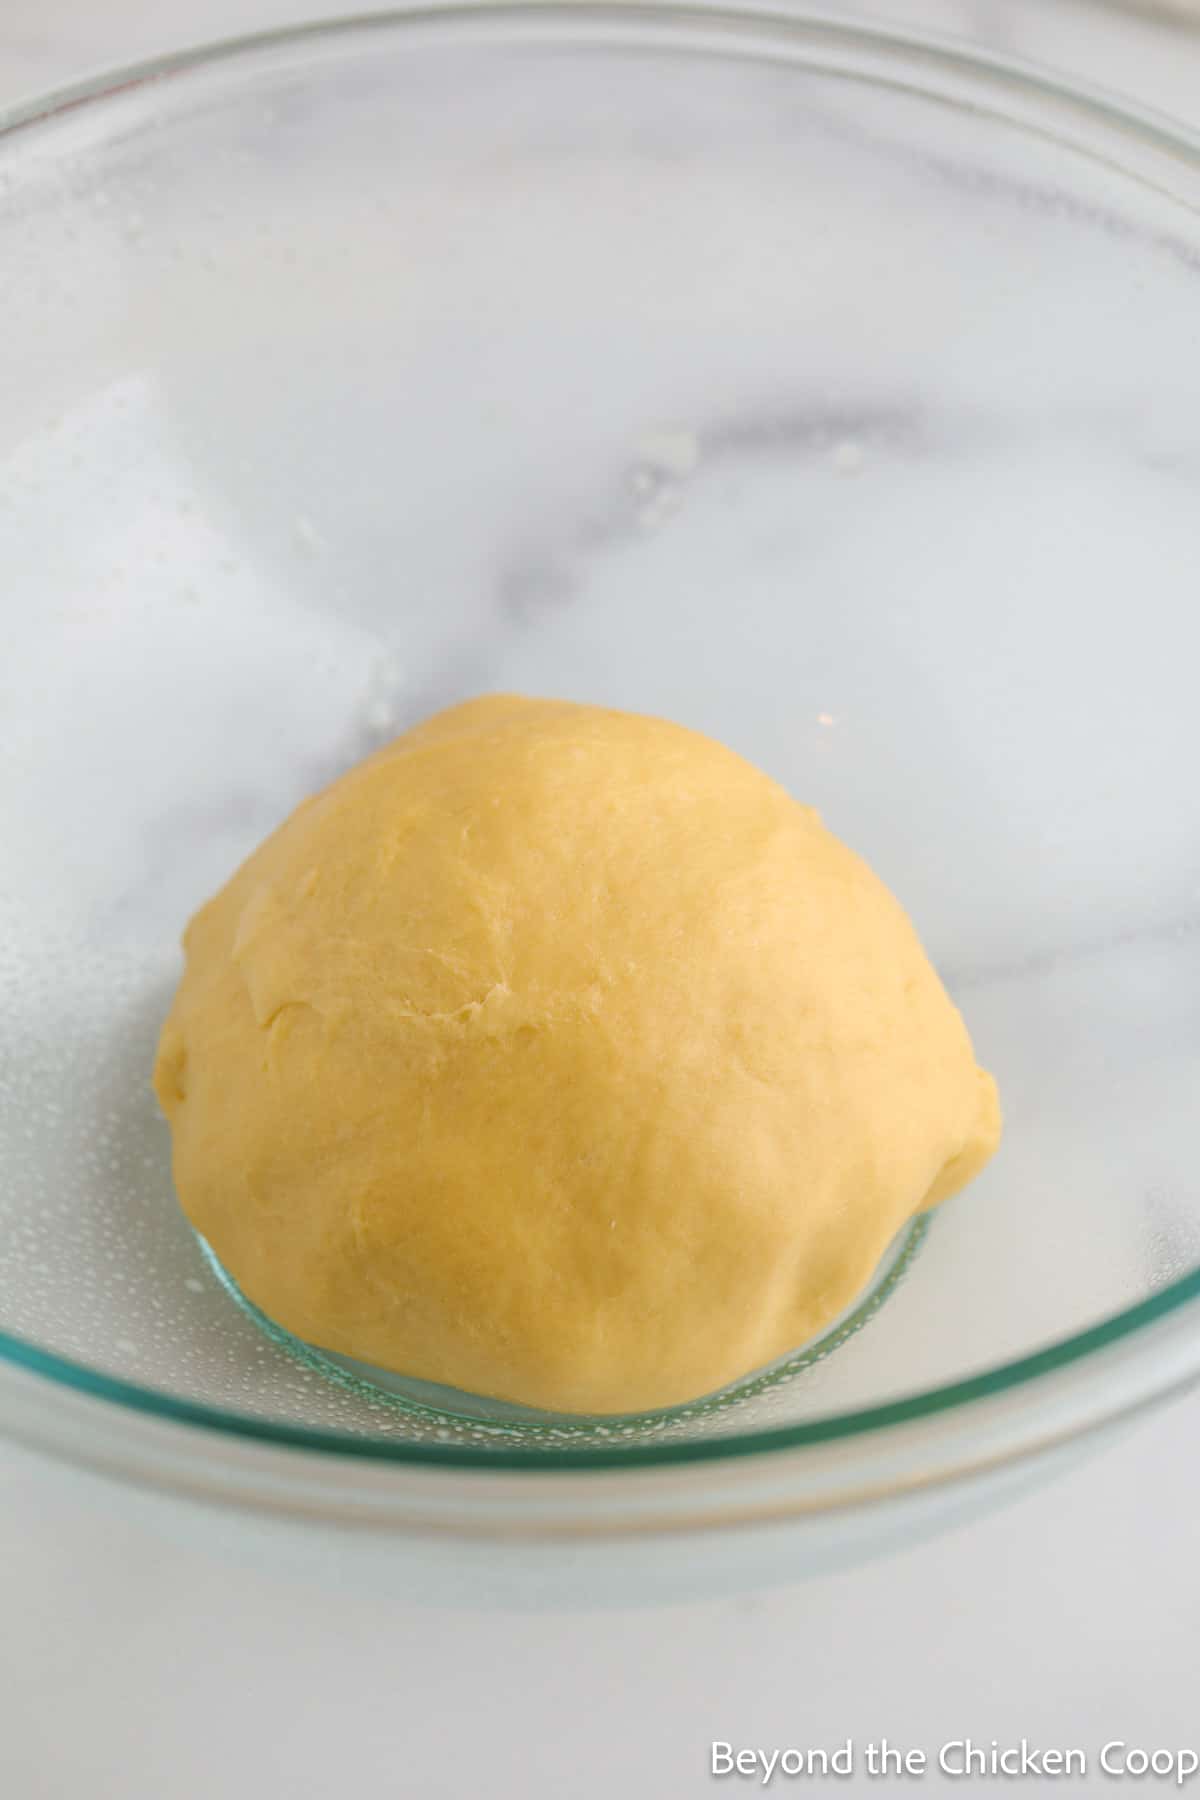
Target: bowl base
(454,1408)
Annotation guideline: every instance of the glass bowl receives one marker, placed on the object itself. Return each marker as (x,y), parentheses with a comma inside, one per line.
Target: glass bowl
(836,394)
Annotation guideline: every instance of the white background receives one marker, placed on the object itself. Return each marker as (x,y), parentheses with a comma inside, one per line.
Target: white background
(146,1655)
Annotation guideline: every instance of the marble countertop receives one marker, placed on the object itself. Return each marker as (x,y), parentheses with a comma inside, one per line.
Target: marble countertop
(149,1654)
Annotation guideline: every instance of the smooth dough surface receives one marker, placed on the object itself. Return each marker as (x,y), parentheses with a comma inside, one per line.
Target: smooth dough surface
(557,1054)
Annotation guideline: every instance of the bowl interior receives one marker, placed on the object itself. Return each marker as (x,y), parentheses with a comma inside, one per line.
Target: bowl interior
(737,378)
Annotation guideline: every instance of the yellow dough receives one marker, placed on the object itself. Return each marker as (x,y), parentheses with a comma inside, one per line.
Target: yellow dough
(558,1054)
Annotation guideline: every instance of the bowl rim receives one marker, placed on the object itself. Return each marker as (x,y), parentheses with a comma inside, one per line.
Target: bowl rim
(782,36)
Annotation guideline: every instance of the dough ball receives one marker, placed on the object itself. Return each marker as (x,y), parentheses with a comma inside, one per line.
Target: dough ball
(559,1055)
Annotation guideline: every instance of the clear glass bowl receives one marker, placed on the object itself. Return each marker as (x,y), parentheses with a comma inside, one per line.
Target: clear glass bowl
(836,394)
